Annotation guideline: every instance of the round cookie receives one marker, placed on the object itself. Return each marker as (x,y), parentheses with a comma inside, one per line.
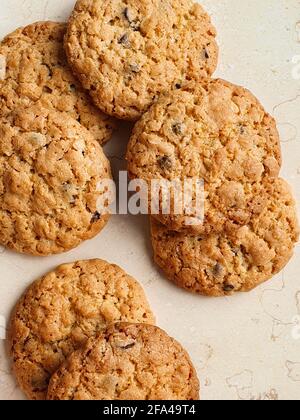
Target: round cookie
(236,260)
(127,362)
(212,131)
(50,170)
(62,310)
(34,68)
(126,53)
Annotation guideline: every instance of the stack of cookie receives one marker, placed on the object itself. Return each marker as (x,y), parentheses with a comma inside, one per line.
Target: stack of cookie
(85,331)
(228,140)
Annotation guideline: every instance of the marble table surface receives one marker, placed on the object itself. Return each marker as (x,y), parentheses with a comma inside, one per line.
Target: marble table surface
(246,346)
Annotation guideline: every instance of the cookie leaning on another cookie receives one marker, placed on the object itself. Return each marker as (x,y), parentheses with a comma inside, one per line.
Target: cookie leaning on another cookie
(212,131)
(34,68)
(237,260)
(127,362)
(62,310)
(50,173)
(126,53)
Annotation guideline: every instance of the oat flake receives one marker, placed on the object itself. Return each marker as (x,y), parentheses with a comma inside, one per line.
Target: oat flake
(2,67)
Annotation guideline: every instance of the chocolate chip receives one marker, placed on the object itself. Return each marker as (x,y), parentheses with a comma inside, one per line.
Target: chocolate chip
(96,217)
(228,287)
(165,163)
(128,346)
(49,69)
(242,129)
(178,86)
(218,270)
(178,128)
(39,384)
(124,40)
(133,23)
(206,55)
(135,26)
(127,14)
(236,251)
(46,89)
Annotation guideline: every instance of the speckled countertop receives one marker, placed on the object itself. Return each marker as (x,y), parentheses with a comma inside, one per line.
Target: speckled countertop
(246,346)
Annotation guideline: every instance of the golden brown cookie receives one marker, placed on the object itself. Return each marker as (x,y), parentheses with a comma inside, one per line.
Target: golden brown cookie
(127,362)
(50,170)
(127,52)
(212,131)
(236,260)
(62,310)
(34,69)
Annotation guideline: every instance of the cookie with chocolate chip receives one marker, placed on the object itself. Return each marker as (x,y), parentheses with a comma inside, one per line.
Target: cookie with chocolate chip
(59,312)
(51,168)
(126,53)
(212,132)
(127,362)
(238,259)
(34,69)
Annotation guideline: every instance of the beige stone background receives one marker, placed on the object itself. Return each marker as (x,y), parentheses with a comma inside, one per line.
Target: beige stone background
(244,347)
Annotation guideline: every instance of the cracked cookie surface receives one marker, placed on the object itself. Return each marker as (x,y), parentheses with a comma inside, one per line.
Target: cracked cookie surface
(236,260)
(212,131)
(127,52)
(127,362)
(62,310)
(50,170)
(34,69)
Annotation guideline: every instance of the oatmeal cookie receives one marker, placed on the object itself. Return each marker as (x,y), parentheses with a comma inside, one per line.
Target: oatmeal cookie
(128,52)
(50,173)
(212,131)
(34,69)
(240,258)
(127,362)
